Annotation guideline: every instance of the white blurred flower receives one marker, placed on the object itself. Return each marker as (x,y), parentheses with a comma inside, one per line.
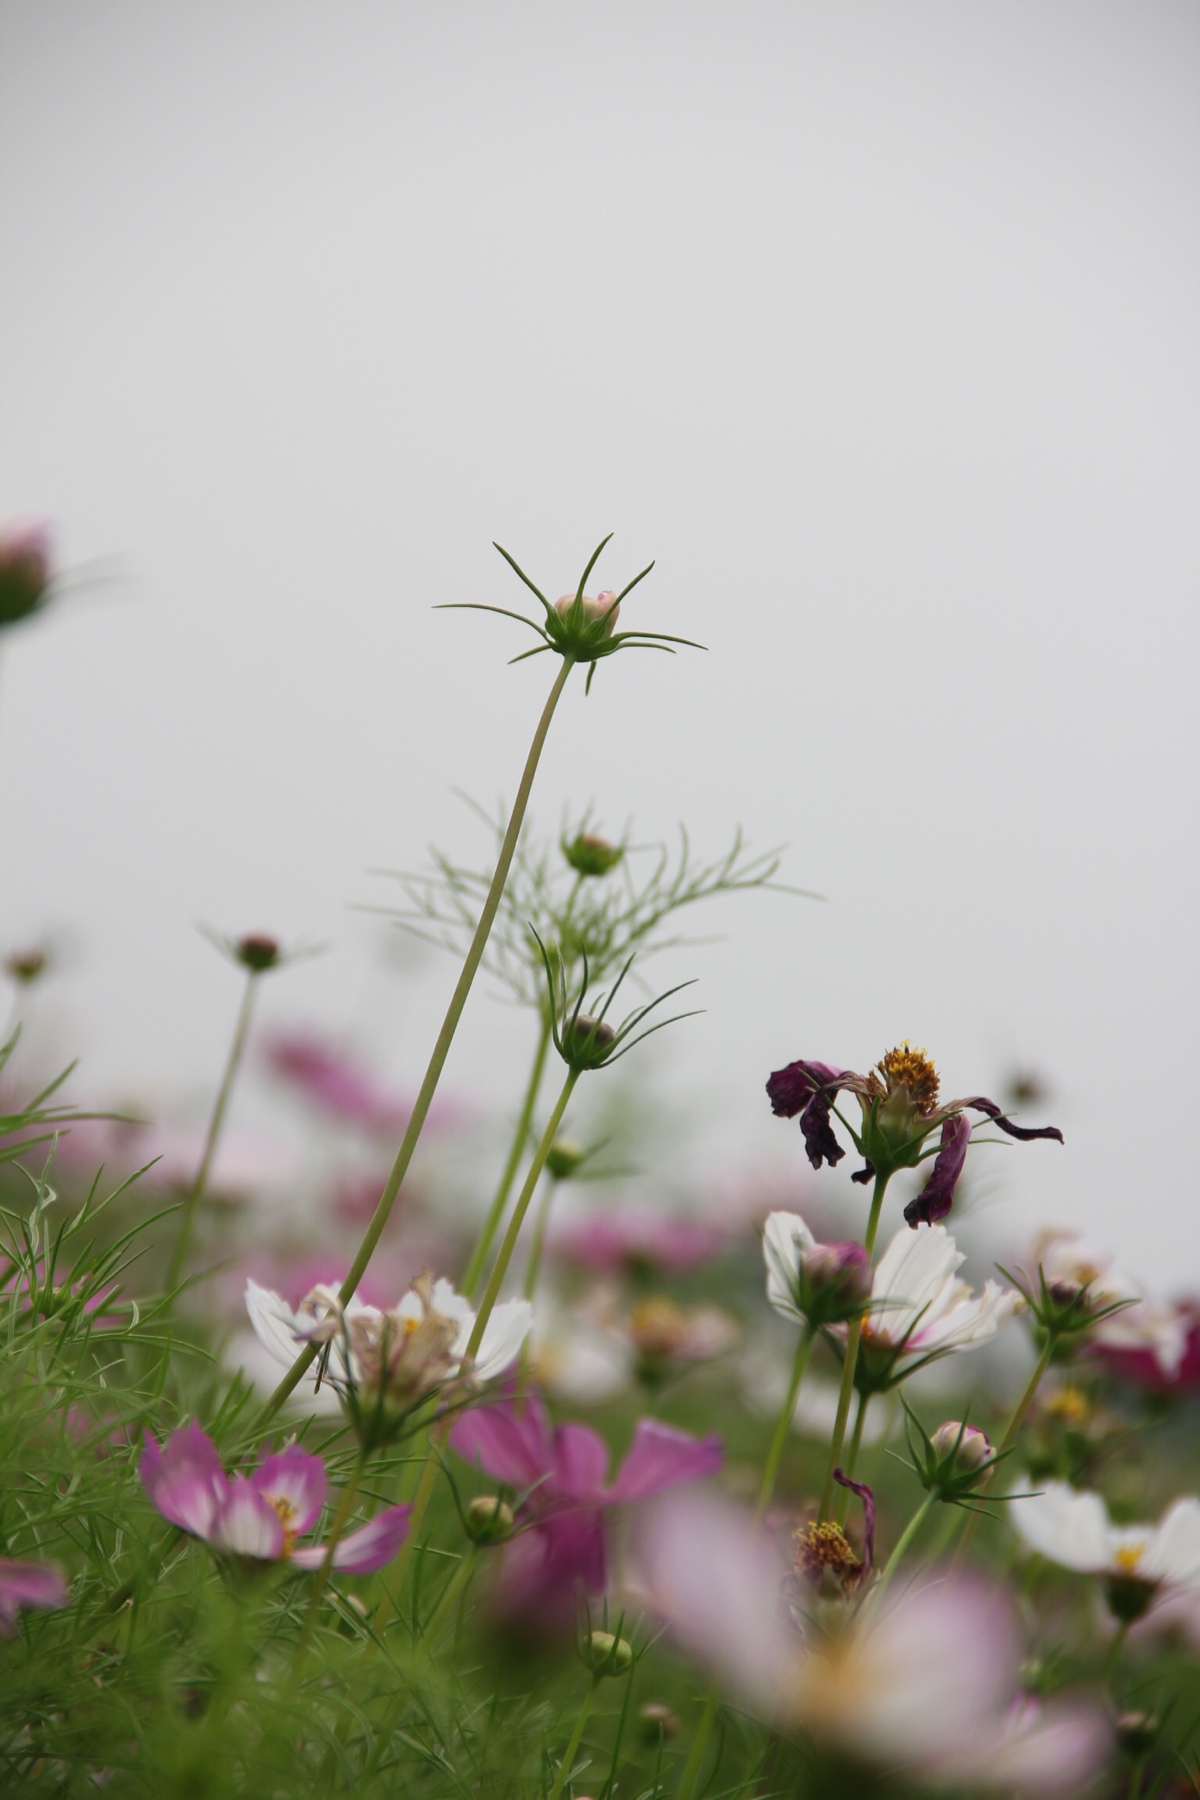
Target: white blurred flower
(1073,1529)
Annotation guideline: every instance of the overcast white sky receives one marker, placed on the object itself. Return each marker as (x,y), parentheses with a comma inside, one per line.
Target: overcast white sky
(874,322)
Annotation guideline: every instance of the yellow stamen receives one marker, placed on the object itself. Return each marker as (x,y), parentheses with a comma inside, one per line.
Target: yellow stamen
(287,1513)
(823,1547)
(911,1068)
(1128,1557)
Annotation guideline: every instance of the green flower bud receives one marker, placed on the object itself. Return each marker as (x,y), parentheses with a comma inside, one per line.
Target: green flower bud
(589,854)
(489,1519)
(586,1041)
(606,1654)
(564,1157)
(257,952)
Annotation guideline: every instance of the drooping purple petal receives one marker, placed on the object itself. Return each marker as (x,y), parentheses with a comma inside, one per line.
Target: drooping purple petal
(185,1481)
(248,1524)
(580,1463)
(978,1103)
(510,1446)
(661,1457)
(937,1196)
(809,1088)
(27,1584)
(297,1478)
(865,1174)
(868,1499)
(372,1546)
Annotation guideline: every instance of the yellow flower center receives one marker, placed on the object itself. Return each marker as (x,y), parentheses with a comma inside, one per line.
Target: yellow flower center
(1128,1557)
(825,1546)
(287,1513)
(911,1068)
(1070,1406)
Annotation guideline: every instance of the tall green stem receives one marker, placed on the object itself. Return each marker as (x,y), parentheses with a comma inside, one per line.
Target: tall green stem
(853,1336)
(533,1267)
(483,1248)
(851,1462)
(691,1773)
(1014,1425)
(453,1588)
(783,1426)
(220,1106)
(321,1580)
(568,1761)
(445,1038)
(903,1544)
(509,1244)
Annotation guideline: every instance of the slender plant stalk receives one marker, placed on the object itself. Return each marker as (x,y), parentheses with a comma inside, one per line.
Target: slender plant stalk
(533,1266)
(853,1335)
(456,1585)
(779,1439)
(568,1761)
(691,1773)
(445,1038)
(1014,1425)
(509,1244)
(483,1248)
(903,1544)
(852,1455)
(321,1579)
(220,1106)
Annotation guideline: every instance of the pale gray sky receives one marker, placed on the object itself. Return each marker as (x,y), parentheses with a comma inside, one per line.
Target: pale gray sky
(874,323)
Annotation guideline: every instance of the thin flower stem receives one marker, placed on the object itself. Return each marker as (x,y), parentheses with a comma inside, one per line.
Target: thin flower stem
(533,1267)
(321,1579)
(220,1106)
(1006,1443)
(509,1244)
(783,1425)
(568,1761)
(903,1544)
(416,1518)
(445,1038)
(1114,1651)
(456,1585)
(487,1236)
(853,1335)
(708,1718)
(852,1454)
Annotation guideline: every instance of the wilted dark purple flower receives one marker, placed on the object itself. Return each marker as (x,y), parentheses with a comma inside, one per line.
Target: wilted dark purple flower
(898,1100)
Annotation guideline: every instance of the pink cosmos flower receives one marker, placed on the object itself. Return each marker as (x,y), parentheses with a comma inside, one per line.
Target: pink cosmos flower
(639,1242)
(261,1515)
(561,1470)
(926,1684)
(24,1584)
(1140,1361)
(335,1084)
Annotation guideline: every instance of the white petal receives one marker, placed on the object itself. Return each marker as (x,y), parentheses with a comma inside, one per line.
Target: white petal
(969,1322)
(913,1275)
(785,1238)
(503,1336)
(1173,1553)
(276,1326)
(1071,1528)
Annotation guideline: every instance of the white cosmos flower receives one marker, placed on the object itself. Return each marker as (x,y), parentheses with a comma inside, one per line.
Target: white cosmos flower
(396,1358)
(1074,1530)
(919,1307)
(785,1239)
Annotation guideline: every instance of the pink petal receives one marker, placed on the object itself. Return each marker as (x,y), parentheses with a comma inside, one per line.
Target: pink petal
(185,1481)
(661,1457)
(249,1525)
(27,1584)
(510,1446)
(365,1550)
(297,1478)
(580,1462)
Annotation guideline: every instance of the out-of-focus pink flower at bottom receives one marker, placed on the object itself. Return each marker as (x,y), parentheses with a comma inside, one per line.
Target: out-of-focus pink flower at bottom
(1141,1361)
(927,1684)
(24,1584)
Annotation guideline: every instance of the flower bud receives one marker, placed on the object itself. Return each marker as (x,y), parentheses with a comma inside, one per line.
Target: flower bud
(489,1519)
(657,1721)
(835,1282)
(589,854)
(564,1157)
(965,1446)
(24,572)
(1137,1732)
(604,606)
(586,1041)
(257,952)
(26,965)
(606,1654)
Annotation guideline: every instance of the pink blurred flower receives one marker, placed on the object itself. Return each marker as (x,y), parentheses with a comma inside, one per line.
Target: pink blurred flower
(927,1684)
(332,1082)
(639,1242)
(24,1584)
(260,1516)
(1157,1348)
(560,1470)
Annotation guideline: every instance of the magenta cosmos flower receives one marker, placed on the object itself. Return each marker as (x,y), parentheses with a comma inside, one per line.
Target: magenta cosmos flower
(640,1242)
(260,1516)
(898,1100)
(23,1585)
(560,1470)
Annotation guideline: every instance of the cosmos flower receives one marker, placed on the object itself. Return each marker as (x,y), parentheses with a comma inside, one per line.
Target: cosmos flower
(260,1516)
(1079,1292)
(813,1283)
(1140,1360)
(1073,1529)
(26,1584)
(384,1364)
(920,1311)
(639,1242)
(926,1684)
(560,1472)
(898,1101)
